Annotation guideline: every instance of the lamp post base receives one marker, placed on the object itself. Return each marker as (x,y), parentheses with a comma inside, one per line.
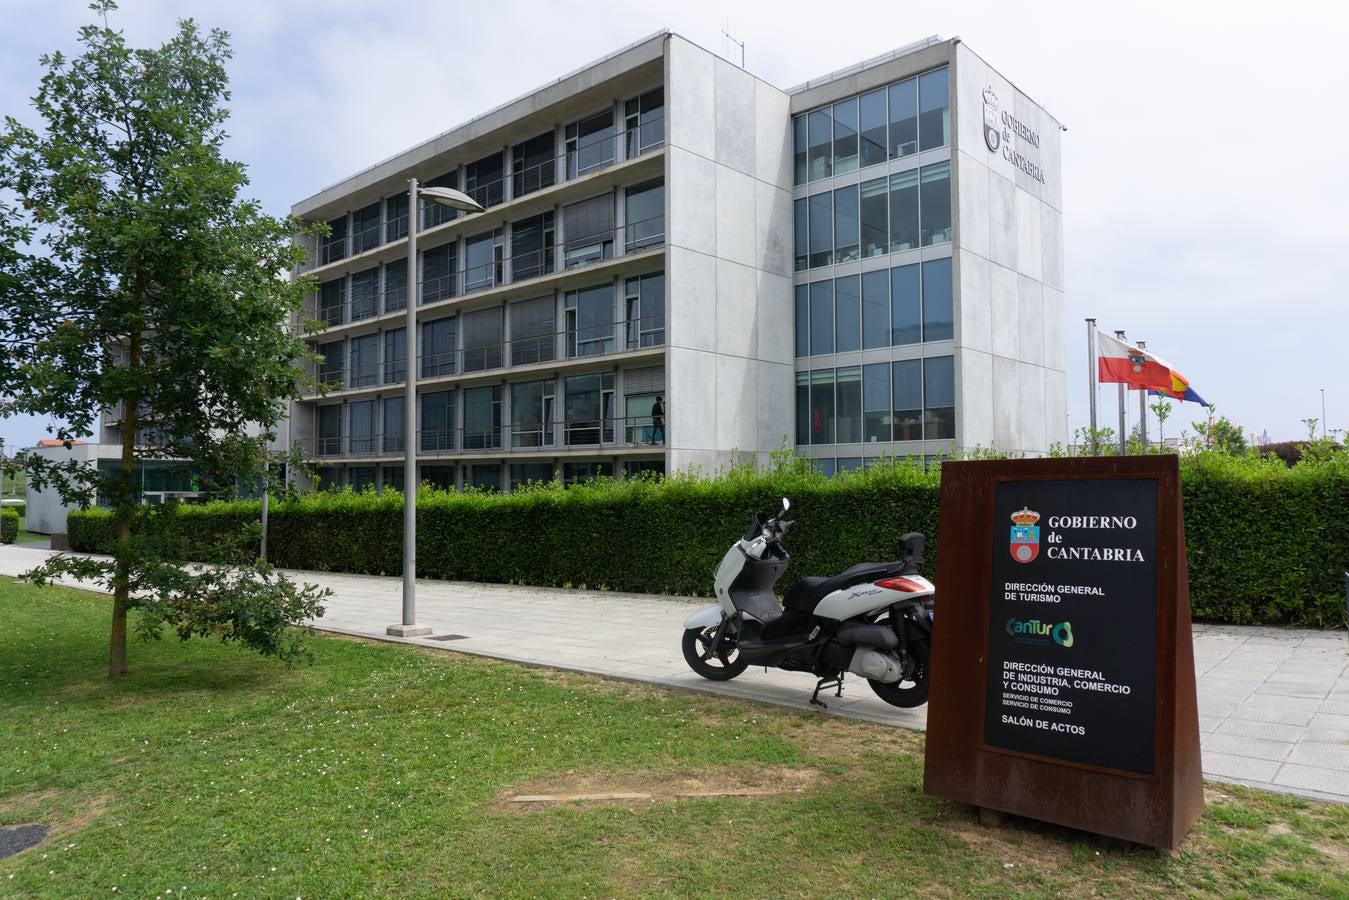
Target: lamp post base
(408,630)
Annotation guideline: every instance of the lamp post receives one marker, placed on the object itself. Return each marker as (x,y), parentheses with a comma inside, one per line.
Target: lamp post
(454,200)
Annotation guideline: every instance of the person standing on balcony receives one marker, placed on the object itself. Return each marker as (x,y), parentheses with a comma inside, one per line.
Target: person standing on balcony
(658,421)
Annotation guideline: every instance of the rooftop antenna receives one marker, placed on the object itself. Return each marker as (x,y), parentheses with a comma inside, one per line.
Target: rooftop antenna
(725,25)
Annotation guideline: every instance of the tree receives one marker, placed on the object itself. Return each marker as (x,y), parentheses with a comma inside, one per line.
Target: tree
(135,279)
(1162,409)
(1222,435)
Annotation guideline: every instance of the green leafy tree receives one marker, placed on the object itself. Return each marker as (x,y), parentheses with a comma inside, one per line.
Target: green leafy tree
(1162,409)
(1223,436)
(135,279)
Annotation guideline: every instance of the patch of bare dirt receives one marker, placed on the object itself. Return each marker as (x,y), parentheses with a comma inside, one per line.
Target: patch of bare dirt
(645,788)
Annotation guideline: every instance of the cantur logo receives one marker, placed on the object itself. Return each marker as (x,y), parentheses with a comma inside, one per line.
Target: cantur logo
(1033,631)
(1025,543)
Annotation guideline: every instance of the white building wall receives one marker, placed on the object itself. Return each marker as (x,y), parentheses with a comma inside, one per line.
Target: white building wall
(728,269)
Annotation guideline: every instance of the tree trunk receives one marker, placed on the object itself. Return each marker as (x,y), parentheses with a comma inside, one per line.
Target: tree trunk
(124,509)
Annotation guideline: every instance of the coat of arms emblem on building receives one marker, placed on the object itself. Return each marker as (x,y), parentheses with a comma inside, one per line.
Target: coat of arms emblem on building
(1025,544)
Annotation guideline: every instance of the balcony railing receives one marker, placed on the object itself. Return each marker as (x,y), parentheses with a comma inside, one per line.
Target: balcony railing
(519,438)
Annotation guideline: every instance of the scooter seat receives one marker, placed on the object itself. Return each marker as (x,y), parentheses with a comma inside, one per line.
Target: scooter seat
(807,593)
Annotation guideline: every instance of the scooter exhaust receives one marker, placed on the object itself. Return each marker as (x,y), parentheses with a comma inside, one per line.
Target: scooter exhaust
(875,666)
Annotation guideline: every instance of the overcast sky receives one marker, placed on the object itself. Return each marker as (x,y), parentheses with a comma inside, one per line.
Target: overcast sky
(1204,181)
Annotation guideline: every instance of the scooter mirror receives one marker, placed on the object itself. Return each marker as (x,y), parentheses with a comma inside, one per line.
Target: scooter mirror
(786,504)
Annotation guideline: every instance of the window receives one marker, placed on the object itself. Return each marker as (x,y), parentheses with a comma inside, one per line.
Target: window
(822,230)
(532,246)
(485,179)
(532,473)
(396,285)
(437,421)
(395,355)
(903,119)
(876,402)
(482,417)
(395,217)
(483,255)
(482,340)
(904,211)
(872,112)
(875,309)
(532,414)
(590,143)
(934,110)
(590,408)
(359,478)
(393,425)
(848,384)
(364,360)
(821,127)
(362,439)
(802,238)
(644,303)
(332,301)
(905,306)
(845,224)
(532,166)
(391,477)
(439,343)
(847,315)
(821,318)
(533,330)
(939,394)
(364,294)
(803,416)
(580,472)
(799,151)
(907,390)
(334,358)
(875,218)
(588,227)
(644,215)
(438,275)
(330,430)
(822,406)
(334,246)
(643,468)
(938,324)
(845,136)
(434,213)
(590,320)
(365,228)
(639,424)
(644,122)
(936,204)
(484,477)
(802,320)
(439,477)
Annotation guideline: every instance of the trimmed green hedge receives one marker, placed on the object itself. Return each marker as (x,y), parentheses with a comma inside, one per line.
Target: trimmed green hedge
(1267,543)
(9,525)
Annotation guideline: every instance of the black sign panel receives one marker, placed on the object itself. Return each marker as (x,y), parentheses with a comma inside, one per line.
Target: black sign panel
(1073,622)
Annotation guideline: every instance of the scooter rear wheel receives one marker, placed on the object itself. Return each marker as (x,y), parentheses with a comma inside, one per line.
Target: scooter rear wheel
(911,691)
(722,665)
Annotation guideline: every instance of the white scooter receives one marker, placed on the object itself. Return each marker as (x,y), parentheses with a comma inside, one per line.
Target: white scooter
(874,620)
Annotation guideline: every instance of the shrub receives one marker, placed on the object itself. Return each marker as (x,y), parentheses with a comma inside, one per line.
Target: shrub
(9,525)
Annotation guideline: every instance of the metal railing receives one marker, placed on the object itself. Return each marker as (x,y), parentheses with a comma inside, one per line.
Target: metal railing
(517,438)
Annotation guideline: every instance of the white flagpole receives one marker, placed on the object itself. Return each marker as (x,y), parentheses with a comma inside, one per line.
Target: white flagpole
(1091,377)
(1143,408)
(1123,424)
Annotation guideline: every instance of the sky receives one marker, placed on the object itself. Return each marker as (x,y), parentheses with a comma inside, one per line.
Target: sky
(1203,177)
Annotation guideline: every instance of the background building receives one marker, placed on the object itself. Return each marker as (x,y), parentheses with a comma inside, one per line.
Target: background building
(856,266)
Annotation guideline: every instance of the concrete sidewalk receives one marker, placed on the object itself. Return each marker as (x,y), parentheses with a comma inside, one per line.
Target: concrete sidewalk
(1273,702)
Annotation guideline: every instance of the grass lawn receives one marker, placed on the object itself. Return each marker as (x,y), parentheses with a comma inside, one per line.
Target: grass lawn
(384,770)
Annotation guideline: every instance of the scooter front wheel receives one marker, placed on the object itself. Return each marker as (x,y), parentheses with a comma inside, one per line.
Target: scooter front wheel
(723,664)
(911,691)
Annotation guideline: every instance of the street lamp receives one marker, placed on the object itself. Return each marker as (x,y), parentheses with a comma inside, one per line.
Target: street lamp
(454,200)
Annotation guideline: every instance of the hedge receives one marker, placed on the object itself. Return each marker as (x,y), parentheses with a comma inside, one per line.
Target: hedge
(9,525)
(1267,543)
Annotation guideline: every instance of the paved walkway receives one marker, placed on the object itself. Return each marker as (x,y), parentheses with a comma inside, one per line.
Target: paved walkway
(1273,702)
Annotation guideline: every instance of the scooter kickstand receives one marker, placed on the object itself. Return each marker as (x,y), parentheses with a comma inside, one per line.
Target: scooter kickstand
(824,683)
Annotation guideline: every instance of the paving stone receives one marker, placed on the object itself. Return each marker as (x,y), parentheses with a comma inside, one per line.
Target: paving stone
(1244,768)
(1313,778)
(1254,748)
(1234,726)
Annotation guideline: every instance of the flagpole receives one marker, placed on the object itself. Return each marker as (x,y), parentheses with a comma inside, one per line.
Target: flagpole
(1123,426)
(1091,376)
(1143,408)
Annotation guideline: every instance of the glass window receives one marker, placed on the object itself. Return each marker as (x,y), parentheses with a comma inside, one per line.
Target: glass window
(365,228)
(936,204)
(434,213)
(393,425)
(439,477)
(482,330)
(799,149)
(360,478)
(904,211)
(437,421)
(847,315)
(440,341)
(822,229)
(482,417)
(905,307)
(903,119)
(639,468)
(849,388)
(395,355)
(848,464)
(395,217)
(438,273)
(579,472)
(803,416)
(532,166)
(532,473)
(532,246)
(330,430)
(590,143)
(483,254)
(821,318)
(644,301)
(845,224)
(639,423)
(873,118)
(907,390)
(939,392)
(533,330)
(588,228)
(364,360)
(589,408)
(362,440)
(332,301)
(802,240)
(875,218)
(644,212)
(391,477)
(802,320)
(590,320)
(396,285)
(827,465)
(876,402)
(934,110)
(364,288)
(644,122)
(334,246)
(845,136)
(485,477)
(821,127)
(334,358)
(938,324)
(876,309)
(532,414)
(822,406)
(484,180)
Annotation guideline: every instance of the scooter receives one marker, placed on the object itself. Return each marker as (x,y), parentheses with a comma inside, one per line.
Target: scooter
(874,620)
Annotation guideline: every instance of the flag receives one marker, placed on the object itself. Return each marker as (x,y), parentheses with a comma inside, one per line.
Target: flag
(1118,362)
(1185,394)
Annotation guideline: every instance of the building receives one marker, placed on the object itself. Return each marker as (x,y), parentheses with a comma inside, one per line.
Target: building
(867,264)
